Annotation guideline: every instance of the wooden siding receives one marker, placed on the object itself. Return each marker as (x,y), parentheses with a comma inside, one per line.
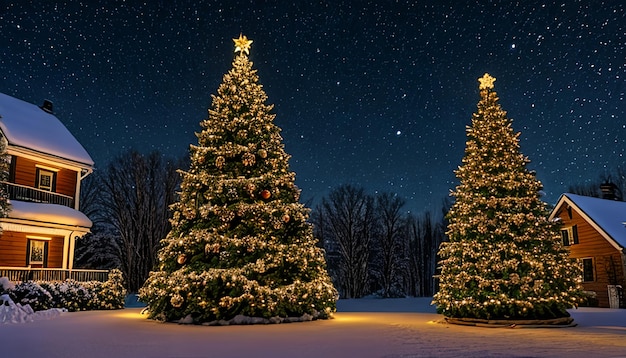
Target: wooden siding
(13,250)
(24,172)
(55,252)
(607,260)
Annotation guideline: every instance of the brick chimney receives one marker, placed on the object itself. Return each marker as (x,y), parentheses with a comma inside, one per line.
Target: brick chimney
(47,106)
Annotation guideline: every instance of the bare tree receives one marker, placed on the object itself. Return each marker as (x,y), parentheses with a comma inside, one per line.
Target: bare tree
(98,249)
(425,234)
(90,203)
(131,214)
(389,259)
(344,223)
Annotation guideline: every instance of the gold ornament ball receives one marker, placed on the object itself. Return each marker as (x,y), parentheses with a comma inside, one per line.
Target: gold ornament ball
(263,153)
(181,259)
(177,300)
(266,194)
(220,161)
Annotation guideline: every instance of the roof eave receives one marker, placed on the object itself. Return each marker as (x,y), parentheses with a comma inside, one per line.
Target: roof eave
(44,224)
(13,149)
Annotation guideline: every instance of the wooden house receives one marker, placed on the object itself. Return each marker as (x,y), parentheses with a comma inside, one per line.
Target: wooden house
(47,165)
(594,230)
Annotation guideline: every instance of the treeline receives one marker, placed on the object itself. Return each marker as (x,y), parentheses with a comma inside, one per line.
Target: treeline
(614,181)
(373,246)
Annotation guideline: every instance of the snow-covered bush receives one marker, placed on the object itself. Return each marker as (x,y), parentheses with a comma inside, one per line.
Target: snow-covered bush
(590,299)
(5,285)
(71,295)
(31,293)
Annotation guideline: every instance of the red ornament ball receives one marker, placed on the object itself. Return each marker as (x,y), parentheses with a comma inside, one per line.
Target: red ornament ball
(181,259)
(266,194)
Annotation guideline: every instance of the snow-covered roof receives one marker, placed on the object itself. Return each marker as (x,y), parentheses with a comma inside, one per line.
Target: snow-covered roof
(48,213)
(26,125)
(607,215)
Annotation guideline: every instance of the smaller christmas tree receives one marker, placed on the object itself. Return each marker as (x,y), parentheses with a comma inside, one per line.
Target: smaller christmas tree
(240,243)
(504,259)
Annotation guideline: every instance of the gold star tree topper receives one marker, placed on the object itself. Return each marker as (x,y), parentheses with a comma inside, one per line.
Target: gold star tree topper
(486,81)
(242,44)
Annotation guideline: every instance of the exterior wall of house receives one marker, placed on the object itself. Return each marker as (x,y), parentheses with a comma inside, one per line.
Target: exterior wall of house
(607,260)
(15,244)
(24,172)
(14,250)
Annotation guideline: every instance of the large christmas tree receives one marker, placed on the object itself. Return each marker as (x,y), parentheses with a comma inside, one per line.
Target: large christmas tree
(240,243)
(504,259)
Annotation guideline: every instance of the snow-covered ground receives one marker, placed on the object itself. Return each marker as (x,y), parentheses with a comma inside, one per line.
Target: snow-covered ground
(361,328)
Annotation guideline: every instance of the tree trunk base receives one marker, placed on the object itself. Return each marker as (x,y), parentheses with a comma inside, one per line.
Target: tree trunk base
(504,323)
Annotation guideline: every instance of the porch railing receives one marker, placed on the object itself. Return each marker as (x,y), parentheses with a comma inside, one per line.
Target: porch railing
(26,193)
(18,274)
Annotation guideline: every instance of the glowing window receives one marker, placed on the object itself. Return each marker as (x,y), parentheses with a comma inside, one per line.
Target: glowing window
(45,180)
(37,253)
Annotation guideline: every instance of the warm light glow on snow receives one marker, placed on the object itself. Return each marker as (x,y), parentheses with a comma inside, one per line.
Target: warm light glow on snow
(129,314)
(353,318)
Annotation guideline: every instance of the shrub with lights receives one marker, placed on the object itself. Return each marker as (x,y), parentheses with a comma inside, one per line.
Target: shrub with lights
(504,259)
(107,295)
(240,244)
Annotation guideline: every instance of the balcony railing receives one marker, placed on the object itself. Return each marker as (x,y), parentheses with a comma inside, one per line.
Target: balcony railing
(25,193)
(19,274)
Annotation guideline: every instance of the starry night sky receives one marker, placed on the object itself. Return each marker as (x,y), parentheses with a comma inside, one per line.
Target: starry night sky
(373,93)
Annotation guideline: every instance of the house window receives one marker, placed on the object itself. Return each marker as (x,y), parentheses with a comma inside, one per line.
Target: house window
(45,179)
(569,235)
(37,252)
(588,274)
